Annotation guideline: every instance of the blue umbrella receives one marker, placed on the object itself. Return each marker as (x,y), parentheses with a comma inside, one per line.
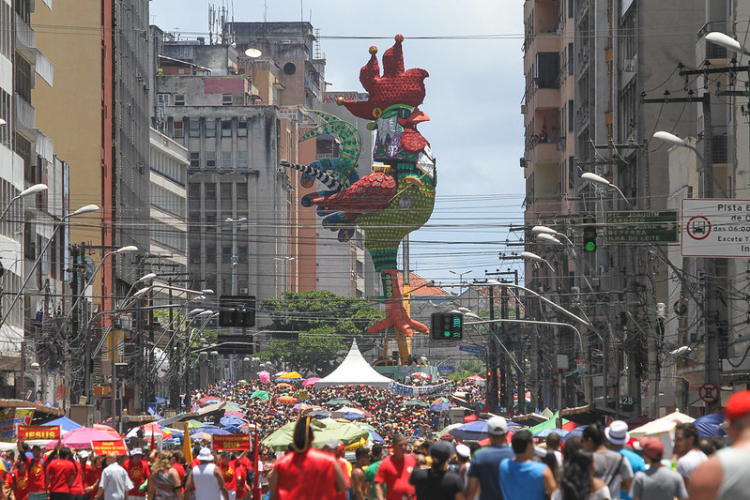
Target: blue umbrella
(353,415)
(577,432)
(473,431)
(442,406)
(320,413)
(232,429)
(708,425)
(210,430)
(232,420)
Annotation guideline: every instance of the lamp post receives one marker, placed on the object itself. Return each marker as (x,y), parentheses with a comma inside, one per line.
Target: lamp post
(727,42)
(601,181)
(672,139)
(83,210)
(36,188)
(713,359)
(460,275)
(537,258)
(235,258)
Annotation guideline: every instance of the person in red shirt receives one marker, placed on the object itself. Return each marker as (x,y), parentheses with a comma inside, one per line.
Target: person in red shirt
(17,481)
(306,473)
(89,474)
(36,467)
(229,468)
(138,471)
(60,475)
(177,460)
(241,480)
(77,489)
(394,473)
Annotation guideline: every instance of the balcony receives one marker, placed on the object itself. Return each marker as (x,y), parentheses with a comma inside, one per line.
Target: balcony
(25,114)
(582,59)
(25,39)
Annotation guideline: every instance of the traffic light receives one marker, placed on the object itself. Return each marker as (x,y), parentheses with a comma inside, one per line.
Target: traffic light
(237,310)
(589,239)
(447,326)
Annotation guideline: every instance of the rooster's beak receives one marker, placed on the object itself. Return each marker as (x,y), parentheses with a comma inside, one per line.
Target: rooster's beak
(417,116)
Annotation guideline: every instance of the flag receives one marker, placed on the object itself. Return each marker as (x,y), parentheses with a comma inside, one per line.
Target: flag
(187,451)
(153,439)
(256,480)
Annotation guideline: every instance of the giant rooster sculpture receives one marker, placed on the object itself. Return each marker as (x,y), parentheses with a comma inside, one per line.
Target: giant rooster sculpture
(393,200)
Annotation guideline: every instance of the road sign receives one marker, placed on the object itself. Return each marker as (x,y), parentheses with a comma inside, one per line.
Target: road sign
(709,393)
(472,350)
(641,227)
(715,227)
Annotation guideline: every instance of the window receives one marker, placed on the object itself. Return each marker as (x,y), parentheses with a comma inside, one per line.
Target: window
(226,191)
(242,159)
(210,191)
(226,128)
(195,160)
(242,191)
(210,223)
(195,192)
(226,100)
(210,159)
(210,253)
(226,225)
(178,130)
(242,129)
(194,218)
(163,99)
(226,255)
(210,128)
(194,128)
(571,116)
(226,159)
(242,254)
(179,99)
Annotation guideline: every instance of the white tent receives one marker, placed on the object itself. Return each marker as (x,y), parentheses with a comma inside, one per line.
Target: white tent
(662,428)
(354,370)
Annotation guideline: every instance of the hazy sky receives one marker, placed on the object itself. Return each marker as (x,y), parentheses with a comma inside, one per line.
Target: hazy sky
(472,50)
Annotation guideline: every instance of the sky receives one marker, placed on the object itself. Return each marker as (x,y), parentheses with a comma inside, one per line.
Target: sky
(472,50)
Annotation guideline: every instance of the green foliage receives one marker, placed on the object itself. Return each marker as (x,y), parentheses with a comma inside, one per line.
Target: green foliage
(468,368)
(325,321)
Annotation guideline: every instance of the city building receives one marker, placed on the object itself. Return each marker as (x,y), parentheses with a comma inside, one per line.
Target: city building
(97,115)
(33,238)
(590,106)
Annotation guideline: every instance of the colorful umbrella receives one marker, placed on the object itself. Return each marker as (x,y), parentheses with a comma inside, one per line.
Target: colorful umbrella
(285,386)
(323,430)
(475,378)
(440,407)
(339,402)
(287,399)
(237,414)
(421,375)
(149,429)
(310,381)
(194,424)
(260,395)
(264,377)
(107,428)
(301,406)
(80,439)
(415,402)
(291,376)
(210,431)
(207,400)
(546,432)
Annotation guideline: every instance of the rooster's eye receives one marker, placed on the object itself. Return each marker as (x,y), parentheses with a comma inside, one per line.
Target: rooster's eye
(377,112)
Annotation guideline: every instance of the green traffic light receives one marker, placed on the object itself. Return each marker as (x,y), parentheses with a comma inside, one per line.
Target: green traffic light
(447,334)
(590,246)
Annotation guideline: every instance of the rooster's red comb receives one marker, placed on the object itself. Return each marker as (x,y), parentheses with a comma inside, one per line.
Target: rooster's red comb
(396,86)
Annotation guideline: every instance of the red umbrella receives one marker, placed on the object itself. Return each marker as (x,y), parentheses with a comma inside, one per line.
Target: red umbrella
(80,439)
(287,399)
(421,375)
(475,378)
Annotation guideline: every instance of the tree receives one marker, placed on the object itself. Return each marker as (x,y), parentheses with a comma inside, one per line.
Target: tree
(326,322)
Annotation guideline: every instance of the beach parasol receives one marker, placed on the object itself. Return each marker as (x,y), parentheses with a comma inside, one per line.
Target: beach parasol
(323,430)
(475,378)
(546,432)
(301,406)
(287,399)
(440,407)
(310,381)
(80,439)
(291,376)
(415,402)
(194,424)
(260,395)
(339,402)
(421,376)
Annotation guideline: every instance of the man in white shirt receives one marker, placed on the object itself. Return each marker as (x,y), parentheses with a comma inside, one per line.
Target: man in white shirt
(686,448)
(115,482)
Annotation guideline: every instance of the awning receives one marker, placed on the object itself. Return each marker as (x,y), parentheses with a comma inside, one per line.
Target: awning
(586,415)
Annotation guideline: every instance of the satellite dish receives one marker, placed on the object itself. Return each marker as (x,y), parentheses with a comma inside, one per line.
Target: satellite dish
(254,53)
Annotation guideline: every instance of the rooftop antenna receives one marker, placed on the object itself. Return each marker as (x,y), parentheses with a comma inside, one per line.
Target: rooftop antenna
(265,11)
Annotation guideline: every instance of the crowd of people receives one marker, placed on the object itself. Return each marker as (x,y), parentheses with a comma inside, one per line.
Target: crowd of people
(412,463)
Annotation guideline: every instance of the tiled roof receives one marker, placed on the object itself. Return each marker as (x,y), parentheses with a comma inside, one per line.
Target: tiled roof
(421,287)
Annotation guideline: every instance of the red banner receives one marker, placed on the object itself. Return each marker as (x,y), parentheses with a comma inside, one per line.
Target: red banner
(32,432)
(239,441)
(106,447)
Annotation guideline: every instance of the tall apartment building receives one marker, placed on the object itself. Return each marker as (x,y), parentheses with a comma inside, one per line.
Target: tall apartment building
(97,115)
(595,70)
(33,242)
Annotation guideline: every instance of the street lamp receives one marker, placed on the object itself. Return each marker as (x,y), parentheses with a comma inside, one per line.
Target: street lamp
(727,42)
(672,139)
(535,257)
(460,278)
(36,188)
(601,181)
(81,211)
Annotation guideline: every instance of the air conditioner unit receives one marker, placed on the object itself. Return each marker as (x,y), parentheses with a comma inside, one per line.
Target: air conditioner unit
(243,291)
(524,109)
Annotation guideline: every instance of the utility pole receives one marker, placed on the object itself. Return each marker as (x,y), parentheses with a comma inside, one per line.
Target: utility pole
(492,356)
